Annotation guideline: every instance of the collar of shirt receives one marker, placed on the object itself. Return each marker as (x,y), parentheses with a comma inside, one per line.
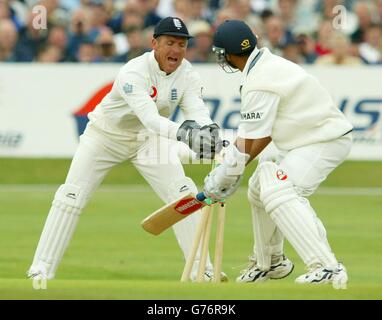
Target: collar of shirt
(250,59)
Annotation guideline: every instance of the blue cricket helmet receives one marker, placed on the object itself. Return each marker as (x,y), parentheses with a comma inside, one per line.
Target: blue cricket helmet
(233,37)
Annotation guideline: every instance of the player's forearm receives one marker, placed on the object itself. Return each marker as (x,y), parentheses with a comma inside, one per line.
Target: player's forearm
(252,147)
(161,126)
(194,109)
(200,115)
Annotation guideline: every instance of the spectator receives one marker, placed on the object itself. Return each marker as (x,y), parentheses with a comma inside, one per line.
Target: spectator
(57,37)
(149,11)
(147,37)
(8,40)
(307,48)
(364,16)
(330,11)
(200,51)
(276,35)
(19,11)
(324,33)
(298,15)
(105,45)
(166,8)
(182,10)
(145,8)
(287,12)
(340,45)
(87,53)
(296,29)
(30,40)
(70,5)
(136,45)
(243,11)
(56,15)
(49,54)
(132,18)
(292,52)
(5,10)
(378,7)
(200,10)
(223,15)
(98,18)
(371,49)
(259,6)
(79,30)
(325,8)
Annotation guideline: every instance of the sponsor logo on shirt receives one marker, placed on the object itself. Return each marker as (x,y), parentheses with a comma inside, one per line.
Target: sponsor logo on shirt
(281,175)
(251,116)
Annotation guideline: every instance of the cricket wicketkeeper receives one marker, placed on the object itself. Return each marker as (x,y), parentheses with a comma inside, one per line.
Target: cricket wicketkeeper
(131,123)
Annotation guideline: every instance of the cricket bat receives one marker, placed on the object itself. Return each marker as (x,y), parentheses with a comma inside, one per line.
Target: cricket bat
(173,212)
(177,210)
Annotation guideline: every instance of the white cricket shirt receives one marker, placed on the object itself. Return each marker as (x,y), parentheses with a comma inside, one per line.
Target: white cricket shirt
(143,97)
(280,99)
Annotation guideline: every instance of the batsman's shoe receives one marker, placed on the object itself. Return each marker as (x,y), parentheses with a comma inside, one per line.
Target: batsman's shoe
(320,275)
(278,270)
(209,276)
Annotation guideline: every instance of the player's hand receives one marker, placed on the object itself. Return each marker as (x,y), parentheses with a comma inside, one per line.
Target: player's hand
(209,141)
(219,185)
(225,179)
(204,141)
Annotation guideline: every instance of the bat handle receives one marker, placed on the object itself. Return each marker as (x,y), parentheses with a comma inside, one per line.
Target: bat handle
(201,196)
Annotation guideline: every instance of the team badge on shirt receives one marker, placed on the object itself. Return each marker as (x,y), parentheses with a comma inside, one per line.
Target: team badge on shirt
(174,94)
(153,93)
(128,88)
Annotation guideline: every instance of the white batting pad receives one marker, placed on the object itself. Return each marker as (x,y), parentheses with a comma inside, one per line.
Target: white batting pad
(59,228)
(268,240)
(292,216)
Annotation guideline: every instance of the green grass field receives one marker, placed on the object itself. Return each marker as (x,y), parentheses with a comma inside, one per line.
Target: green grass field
(111,257)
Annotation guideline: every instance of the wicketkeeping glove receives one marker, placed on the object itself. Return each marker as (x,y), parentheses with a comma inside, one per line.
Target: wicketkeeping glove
(204,141)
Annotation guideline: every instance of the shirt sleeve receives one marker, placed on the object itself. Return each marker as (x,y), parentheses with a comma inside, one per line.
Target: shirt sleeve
(132,87)
(192,103)
(258,113)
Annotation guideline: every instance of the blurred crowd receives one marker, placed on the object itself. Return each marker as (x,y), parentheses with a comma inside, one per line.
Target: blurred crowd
(94,31)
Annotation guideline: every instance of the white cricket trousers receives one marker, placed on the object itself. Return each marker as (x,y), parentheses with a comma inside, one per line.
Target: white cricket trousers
(306,167)
(154,157)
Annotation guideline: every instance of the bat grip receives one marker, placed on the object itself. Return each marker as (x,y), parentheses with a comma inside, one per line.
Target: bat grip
(201,196)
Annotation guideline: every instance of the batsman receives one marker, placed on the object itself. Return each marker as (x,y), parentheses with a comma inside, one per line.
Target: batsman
(131,123)
(281,102)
